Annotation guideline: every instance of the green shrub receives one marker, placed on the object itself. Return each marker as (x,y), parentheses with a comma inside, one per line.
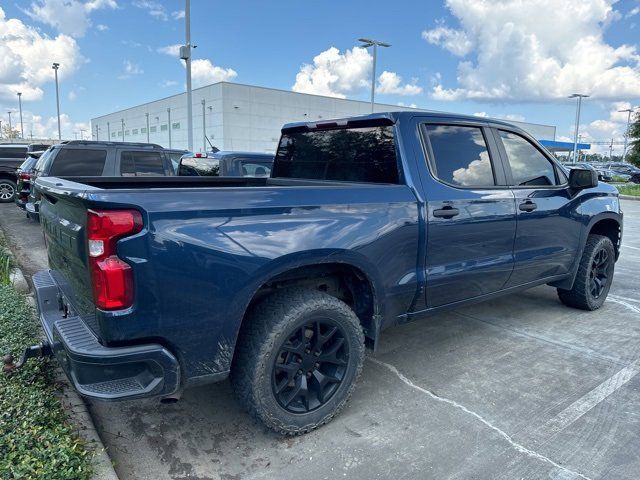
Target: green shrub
(5,266)
(619,179)
(633,190)
(36,439)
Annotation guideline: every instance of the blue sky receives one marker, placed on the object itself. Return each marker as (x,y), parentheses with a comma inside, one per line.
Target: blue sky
(465,56)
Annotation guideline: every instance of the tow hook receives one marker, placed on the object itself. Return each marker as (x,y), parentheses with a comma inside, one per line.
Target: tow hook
(43,349)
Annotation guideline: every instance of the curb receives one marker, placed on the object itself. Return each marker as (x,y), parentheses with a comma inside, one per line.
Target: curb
(78,413)
(629,197)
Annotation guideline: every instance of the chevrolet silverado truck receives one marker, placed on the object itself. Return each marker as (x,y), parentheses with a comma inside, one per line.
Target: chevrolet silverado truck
(159,284)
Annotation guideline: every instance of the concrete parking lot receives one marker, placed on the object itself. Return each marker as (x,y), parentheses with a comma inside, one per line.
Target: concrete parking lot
(520,387)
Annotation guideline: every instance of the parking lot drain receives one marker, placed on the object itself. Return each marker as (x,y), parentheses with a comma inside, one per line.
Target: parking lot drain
(506,436)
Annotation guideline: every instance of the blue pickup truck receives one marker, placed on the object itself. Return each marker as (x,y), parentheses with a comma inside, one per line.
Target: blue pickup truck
(159,284)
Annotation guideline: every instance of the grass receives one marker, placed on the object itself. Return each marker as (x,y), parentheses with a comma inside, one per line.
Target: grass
(5,266)
(633,190)
(36,439)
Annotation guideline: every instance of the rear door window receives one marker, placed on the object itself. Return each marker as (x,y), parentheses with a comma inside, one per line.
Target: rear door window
(77,162)
(365,154)
(460,155)
(529,167)
(141,164)
(13,152)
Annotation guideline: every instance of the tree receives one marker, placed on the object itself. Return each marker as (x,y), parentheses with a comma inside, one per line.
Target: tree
(9,133)
(633,154)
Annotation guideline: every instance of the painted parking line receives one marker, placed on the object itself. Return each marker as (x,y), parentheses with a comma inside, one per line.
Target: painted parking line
(581,406)
(517,446)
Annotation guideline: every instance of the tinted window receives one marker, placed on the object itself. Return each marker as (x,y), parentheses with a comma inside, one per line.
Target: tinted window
(141,164)
(355,154)
(460,155)
(36,147)
(13,152)
(251,169)
(193,167)
(528,165)
(28,164)
(40,164)
(71,162)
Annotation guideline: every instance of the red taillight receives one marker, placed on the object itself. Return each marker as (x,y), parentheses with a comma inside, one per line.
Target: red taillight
(111,277)
(25,176)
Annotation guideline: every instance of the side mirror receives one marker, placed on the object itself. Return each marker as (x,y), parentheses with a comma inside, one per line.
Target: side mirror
(580,178)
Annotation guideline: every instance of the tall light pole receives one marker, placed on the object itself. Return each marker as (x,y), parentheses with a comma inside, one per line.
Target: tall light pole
(108,132)
(626,132)
(122,122)
(147,115)
(185,54)
(204,126)
(10,127)
(366,43)
(579,96)
(55,67)
(20,105)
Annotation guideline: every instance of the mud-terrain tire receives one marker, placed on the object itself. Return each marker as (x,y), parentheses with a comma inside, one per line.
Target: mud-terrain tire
(594,277)
(302,346)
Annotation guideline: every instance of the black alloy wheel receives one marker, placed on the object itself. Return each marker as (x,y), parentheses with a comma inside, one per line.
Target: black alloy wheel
(599,275)
(310,366)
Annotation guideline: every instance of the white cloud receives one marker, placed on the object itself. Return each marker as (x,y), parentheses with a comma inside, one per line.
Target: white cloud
(203,72)
(153,8)
(102,28)
(47,128)
(172,50)
(391,83)
(534,50)
(72,95)
(335,74)
(634,11)
(70,17)
(26,57)
(604,129)
(411,105)
(130,69)
(168,83)
(178,14)
(456,41)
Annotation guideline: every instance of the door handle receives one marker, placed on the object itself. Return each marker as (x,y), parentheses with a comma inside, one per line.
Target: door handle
(446,212)
(528,206)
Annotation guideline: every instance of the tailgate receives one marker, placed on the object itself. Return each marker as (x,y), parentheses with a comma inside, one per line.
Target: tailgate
(63,215)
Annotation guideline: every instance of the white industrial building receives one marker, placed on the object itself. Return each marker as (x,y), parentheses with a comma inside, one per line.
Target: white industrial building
(237,117)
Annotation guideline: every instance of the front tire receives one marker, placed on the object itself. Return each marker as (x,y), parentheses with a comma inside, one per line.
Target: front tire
(594,277)
(298,357)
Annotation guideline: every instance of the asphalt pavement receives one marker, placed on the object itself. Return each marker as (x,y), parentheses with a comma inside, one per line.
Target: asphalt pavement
(519,387)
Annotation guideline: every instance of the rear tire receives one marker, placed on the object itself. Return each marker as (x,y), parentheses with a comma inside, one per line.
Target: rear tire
(7,190)
(594,277)
(298,357)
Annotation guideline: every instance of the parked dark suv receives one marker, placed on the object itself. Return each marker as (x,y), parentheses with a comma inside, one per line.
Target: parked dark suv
(11,156)
(23,175)
(82,158)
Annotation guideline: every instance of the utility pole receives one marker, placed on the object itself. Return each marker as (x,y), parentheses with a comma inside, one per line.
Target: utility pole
(10,127)
(366,43)
(108,132)
(204,125)
(169,122)
(185,54)
(611,149)
(626,132)
(147,115)
(579,96)
(20,105)
(122,121)
(55,67)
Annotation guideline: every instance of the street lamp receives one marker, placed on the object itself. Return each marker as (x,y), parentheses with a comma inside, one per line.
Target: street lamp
(366,43)
(147,115)
(204,127)
(579,96)
(55,67)
(626,132)
(122,123)
(10,127)
(20,105)
(169,124)
(185,54)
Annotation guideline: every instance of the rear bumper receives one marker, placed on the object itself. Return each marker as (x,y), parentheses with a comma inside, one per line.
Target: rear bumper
(97,371)
(32,211)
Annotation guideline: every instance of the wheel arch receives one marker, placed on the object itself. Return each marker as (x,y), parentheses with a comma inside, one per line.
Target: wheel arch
(343,274)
